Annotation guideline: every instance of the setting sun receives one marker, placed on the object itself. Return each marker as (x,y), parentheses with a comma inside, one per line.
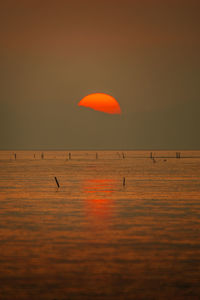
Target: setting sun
(101,102)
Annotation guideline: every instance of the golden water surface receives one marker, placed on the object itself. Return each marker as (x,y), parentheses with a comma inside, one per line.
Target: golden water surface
(95,238)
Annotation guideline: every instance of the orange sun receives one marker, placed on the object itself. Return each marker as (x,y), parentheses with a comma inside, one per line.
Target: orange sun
(101,102)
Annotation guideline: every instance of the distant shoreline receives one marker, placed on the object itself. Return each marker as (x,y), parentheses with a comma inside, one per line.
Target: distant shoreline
(73,149)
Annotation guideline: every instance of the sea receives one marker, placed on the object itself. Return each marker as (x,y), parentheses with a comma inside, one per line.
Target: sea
(115,225)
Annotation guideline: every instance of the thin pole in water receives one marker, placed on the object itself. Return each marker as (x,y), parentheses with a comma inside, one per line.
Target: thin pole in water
(124,181)
(58,185)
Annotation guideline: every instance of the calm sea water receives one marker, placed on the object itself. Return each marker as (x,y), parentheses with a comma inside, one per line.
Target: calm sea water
(94,238)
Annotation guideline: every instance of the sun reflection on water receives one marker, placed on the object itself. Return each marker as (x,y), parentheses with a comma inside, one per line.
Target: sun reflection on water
(99,197)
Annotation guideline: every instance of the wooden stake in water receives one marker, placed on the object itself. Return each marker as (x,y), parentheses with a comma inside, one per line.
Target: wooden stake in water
(58,185)
(15,156)
(124,181)
(69,155)
(96,155)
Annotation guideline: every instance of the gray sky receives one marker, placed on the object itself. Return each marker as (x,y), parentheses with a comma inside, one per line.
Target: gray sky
(143,53)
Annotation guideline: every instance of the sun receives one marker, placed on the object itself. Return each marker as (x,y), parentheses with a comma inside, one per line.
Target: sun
(101,102)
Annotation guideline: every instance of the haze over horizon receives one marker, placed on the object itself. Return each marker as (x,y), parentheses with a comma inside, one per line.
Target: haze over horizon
(143,53)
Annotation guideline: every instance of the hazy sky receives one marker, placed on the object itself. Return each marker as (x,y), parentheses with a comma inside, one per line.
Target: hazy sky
(145,53)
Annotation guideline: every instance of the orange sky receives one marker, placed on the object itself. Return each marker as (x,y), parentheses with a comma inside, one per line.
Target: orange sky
(58,26)
(144,53)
